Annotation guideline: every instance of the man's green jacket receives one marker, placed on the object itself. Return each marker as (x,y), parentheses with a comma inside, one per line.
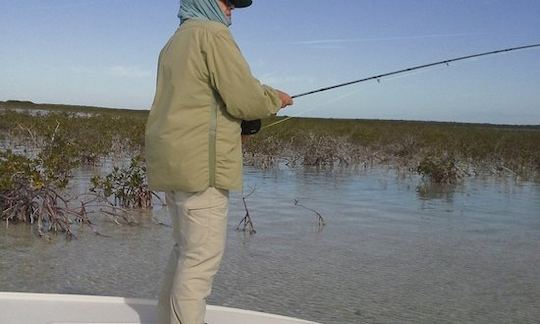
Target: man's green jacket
(204,90)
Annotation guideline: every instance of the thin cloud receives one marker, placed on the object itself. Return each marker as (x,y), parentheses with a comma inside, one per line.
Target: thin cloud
(80,69)
(372,39)
(44,6)
(128,72)
(271,78)
(117,71)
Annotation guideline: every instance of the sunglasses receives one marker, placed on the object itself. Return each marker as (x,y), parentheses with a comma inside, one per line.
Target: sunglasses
(229,3)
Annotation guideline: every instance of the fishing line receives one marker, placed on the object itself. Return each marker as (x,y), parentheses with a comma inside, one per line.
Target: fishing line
(394,75)
(447,61)
(323,104)
(316,107)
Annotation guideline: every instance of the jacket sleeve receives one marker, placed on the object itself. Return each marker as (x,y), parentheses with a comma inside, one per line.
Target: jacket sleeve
(244,96)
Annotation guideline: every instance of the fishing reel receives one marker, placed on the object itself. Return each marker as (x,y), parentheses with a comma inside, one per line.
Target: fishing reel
(251,127)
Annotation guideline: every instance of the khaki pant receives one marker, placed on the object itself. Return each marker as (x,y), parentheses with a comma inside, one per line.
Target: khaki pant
(199,231)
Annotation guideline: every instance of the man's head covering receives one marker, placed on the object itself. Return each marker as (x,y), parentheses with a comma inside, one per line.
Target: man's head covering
(202,9)
(241,3)
(207,10)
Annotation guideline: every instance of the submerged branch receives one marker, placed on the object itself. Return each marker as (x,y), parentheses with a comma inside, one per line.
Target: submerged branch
(320,219)
(246,222)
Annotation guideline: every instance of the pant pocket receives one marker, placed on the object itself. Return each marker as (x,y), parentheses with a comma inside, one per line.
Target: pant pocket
(194,226)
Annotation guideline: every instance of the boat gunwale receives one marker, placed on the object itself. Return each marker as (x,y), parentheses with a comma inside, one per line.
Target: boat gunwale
(133,301)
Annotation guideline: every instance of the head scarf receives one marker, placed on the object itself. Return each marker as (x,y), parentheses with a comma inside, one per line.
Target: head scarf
(202,9)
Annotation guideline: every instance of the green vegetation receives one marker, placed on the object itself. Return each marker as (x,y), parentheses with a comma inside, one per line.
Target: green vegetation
(423,147)
(440,169)
(93,133)
(127,185)
(442,152)
(52,140)
(29,189)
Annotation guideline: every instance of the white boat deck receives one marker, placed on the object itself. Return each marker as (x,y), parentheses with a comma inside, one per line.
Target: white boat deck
(26,308)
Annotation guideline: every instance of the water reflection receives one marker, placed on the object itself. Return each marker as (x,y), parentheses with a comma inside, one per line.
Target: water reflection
(428,190)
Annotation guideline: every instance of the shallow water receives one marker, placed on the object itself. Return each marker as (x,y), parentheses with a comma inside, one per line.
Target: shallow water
(390,252)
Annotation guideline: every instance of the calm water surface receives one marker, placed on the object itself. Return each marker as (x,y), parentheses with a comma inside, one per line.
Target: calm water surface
(391,252)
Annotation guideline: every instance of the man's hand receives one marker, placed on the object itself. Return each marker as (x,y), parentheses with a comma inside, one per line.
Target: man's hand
(286,100)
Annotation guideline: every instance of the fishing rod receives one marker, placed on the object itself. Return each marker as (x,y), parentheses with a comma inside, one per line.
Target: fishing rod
(378,77)
(252,127)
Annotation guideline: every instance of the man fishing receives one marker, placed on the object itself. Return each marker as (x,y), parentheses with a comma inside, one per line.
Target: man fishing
(193,146)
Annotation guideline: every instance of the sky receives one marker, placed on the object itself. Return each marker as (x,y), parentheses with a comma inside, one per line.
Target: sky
(104,53)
